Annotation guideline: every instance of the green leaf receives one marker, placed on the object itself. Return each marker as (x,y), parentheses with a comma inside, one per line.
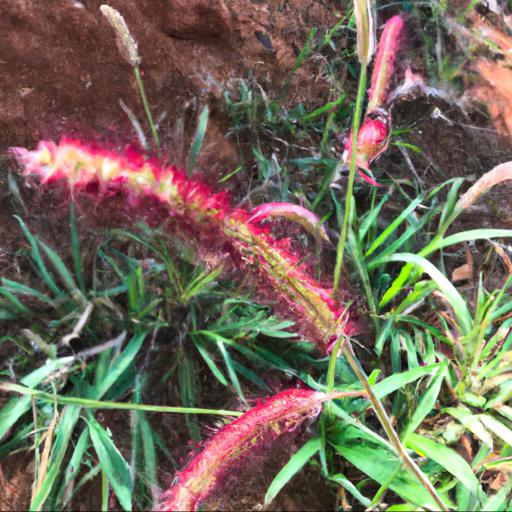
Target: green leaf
(426,403)
(72,471)
(62,270)
(384,466)
(292,467)
(16,407)
(449,291)
(398,380)
(446,457)
(118,367)
(112,463)
(217,372)
(64,430)
(351,488)
(466,236)
(198,139)
(393,226)
(36,256)
(231,371)
(148,443)
(497,428)
(471,422)
(22,289)
(498,502)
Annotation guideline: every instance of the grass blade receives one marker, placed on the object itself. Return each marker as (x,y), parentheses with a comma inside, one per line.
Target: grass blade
(446,457)
(36,256)
(198,139)
(112,463)
(292,467)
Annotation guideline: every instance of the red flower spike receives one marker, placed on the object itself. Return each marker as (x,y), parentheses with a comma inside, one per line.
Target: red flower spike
(384,66)
(264,423)
(282,278)
(374,133)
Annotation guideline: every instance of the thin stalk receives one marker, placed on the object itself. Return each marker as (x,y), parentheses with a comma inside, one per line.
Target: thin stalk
(351,178)
(87,403)
(104,492)
(388,427)
(147,110)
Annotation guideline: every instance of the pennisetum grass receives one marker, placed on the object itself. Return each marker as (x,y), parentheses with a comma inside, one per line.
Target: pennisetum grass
(262,424)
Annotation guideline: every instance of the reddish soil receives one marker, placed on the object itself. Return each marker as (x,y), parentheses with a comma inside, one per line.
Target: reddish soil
(63,74)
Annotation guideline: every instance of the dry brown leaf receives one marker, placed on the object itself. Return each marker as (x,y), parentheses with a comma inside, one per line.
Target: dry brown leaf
(497,93)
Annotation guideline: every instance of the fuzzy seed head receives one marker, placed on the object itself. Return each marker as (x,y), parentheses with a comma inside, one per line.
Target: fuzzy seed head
(364,12)
(262,424)
(125,42)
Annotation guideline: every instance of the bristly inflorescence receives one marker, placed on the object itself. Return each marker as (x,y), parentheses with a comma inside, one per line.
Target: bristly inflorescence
(264,423)
(281,276)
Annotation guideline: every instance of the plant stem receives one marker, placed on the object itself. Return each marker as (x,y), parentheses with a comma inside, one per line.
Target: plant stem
(87,403)
(388,427)
(147,110)
(351,177)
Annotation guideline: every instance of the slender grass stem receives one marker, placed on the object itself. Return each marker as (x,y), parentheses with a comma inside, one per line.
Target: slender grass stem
(388,427)
(147,110)
(104,492)
(351,178)
(87,403)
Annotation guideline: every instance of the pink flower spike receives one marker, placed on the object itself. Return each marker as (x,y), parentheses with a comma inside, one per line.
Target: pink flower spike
(387,51)
(306,218)
(207,472)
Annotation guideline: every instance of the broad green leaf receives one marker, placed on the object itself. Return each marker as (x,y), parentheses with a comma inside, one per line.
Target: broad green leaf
(382,465)
(398,380)
(471,422)
(112,463)
(292,467)
(446,457)
(449,291)
(497,428)
(500,501)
